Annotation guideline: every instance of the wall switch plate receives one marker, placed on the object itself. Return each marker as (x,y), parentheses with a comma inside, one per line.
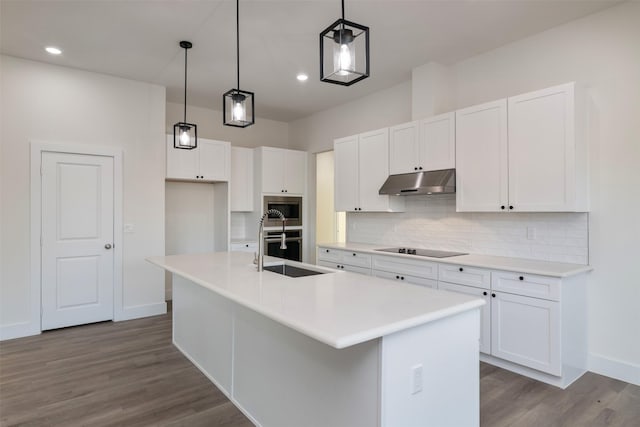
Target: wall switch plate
(416,379)
(531,233)
(129,228)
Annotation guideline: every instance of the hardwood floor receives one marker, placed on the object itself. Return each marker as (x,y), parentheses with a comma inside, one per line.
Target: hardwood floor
(129,374)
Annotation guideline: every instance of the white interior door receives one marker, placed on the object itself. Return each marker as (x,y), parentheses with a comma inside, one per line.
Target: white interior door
(77,239)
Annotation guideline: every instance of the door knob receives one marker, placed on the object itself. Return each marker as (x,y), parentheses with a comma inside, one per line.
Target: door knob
(107,246)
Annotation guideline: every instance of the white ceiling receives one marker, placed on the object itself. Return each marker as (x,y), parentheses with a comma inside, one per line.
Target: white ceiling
(138,39)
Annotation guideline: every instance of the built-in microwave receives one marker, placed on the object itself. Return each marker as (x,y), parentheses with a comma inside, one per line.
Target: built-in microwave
(291,208)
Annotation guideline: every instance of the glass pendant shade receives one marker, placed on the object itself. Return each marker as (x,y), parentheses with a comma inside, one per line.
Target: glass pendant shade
(238,108)
(185,135)
(344,53)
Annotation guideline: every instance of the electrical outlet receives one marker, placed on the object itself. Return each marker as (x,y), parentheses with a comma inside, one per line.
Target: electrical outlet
(531,233)
(416,379)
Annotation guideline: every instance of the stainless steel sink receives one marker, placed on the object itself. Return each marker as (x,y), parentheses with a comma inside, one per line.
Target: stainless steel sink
(291,271)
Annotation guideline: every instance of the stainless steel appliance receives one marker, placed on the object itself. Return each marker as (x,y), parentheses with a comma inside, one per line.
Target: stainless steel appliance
(420,183)
(272,244)
(422,252)
(291,208)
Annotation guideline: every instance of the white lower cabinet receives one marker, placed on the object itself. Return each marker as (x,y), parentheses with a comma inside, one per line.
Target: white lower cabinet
(356,262)
(485,311)
(526,331)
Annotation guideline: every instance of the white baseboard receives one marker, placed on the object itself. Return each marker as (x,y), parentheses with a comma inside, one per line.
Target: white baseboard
(18,330)
(623,371)
(145,310)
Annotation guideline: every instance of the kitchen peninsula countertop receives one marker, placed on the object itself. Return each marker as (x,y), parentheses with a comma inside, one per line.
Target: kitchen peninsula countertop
(340,309)
(545,268)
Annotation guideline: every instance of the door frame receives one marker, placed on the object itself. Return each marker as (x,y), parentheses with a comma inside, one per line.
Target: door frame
(37,148)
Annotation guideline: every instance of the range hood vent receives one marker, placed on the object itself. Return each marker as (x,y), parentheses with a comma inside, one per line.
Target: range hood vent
(420,183)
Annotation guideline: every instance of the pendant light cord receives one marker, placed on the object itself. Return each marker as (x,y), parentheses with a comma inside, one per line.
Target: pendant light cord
(343,10)
(238,42)
(185,85)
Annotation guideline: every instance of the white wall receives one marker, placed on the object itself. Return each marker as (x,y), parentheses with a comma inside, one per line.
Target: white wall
(266,132)
(601,52)
(50,103)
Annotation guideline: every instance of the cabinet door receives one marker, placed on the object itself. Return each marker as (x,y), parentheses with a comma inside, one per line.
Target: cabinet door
(346,174)
(272,170)
(542,150)
(481,158)
(485,311)
(241,181)
(526,331)
(181,163)
(403,148)
(373,171)
(332,256)
(295,171)
(437,146)
(214,160)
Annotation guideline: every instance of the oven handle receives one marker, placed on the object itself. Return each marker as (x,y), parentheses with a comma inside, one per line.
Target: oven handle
(288,239)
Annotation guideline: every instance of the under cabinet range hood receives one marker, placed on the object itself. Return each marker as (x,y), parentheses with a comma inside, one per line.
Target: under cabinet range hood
(420,183)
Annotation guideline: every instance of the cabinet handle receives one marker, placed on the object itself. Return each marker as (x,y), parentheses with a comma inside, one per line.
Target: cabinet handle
(397,277)
(461,269)
(354,254)
(326,250)
(521,277)
(337,265)
(502,207)
(286,191)
(493,295)
(420,168)
(401,277)
(342,267)
(246,246)
(415,169)
(484,293)
(510,207)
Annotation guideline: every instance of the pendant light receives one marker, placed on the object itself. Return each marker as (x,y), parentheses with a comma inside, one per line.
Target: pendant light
(344,52)
(238,105)
(185,135)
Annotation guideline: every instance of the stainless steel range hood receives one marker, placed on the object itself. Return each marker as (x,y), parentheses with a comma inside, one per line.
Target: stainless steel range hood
(420,183)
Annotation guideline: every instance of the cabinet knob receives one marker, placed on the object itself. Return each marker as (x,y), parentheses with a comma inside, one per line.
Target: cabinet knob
(420,168)
(342,267)
(521,277)
(493,295)
(286,191)
(246,246)
(510,207)
(354,254)
(502,207)
(484,293)
(337,265)
(415,169)
(401,277)
(461,269)
(326,250)
(397,277)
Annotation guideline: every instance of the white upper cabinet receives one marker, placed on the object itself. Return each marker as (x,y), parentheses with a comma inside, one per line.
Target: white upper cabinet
(523,154)
(481,158)
(282,170)
(241,182)
(209,161)
(547,158)
(427,144)
(361,167)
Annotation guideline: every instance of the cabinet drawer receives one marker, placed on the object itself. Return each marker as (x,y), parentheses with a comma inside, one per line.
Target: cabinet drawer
(429,283)
(329,264)
(356,259)
(423,269)
(463,275)
(244,247)
(330,255)
(526,284)
(354,269)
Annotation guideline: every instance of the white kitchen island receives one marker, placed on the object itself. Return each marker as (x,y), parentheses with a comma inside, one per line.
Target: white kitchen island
(335,349)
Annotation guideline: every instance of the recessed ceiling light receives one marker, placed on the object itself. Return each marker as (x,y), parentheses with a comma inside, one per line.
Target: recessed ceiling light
(302,77)
(53,50)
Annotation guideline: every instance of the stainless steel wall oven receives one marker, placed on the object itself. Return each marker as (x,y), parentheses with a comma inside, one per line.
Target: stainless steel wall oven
(294,244)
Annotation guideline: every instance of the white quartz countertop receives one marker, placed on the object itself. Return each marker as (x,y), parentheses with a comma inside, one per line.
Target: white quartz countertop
(520,265)
(338,308)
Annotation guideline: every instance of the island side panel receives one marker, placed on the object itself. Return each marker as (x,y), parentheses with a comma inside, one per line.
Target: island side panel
(203,330)
(283,378)
(447,353)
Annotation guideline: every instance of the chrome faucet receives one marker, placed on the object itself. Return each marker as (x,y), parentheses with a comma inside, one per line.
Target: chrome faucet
(283,242)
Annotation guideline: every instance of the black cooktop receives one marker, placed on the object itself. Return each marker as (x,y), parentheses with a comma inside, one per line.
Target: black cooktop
(422,252)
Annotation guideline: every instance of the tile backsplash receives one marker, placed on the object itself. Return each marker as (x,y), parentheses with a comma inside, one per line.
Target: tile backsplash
(432,222)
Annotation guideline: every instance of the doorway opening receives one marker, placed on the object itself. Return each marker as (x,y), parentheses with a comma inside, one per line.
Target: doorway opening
(330,225)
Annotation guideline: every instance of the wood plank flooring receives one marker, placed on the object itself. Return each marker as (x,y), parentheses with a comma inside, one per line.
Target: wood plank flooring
(129,374)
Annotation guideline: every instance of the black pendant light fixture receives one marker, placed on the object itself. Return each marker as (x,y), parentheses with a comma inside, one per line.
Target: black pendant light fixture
(185,135)
(344,52)
(238,105)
